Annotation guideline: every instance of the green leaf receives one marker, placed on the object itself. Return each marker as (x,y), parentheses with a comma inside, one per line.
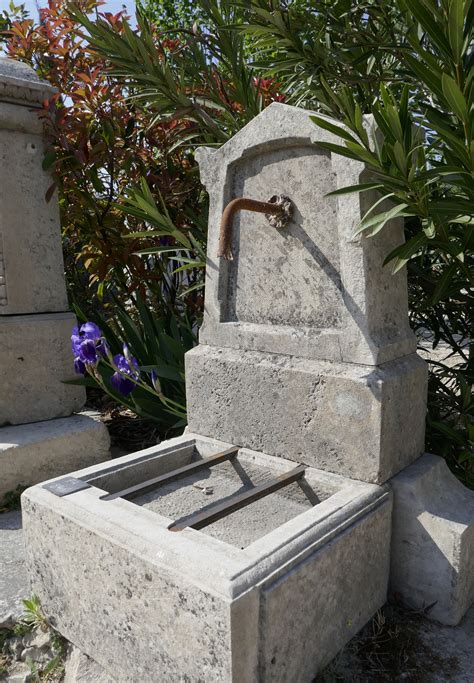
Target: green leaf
(402,254)
(454,97)
(392,115)
(444,283)
(464,456)
(81,381)
(400,158)
(339,149)
(429,21)
(49,159)
(376,223)
(193,288)
(362,187)
(332,128)
(364,154)
(426,74)
(448,431)
(164,371)
(189,266)
(455,28)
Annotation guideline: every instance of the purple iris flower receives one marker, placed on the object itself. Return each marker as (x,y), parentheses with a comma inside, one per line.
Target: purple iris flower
(126,366)
(154,380)
(79,366)
(87,346)
(91,331)
(88,351)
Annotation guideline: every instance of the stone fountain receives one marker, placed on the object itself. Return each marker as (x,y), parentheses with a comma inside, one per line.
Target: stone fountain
(253,547)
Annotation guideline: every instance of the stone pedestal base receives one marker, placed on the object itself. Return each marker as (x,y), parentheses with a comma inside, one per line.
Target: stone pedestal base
(433,540)
(32,453)
(360,421)
(35,361)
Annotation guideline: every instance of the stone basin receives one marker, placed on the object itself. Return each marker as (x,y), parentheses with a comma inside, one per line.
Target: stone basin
(269,592)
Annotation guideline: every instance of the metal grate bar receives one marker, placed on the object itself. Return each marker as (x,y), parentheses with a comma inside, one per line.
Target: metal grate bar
(200,519)
(150,484)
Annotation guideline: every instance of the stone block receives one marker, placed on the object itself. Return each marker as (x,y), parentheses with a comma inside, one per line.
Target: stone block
(20,84)
(79,668)
(148,604)
(310,289)
(35,360)
(13,579)
(363,422)
(34,452)
(31,259)
(433,540)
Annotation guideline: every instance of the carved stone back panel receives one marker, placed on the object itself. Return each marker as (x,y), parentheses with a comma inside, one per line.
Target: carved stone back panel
(311,289)
(288,276)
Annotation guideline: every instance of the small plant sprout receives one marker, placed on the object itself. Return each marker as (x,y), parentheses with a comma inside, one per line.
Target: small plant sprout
(33,616)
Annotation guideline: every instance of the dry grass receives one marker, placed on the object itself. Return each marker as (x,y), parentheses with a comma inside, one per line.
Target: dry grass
(390,648)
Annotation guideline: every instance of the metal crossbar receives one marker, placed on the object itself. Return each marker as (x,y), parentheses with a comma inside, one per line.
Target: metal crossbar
(180,472)
(202,518)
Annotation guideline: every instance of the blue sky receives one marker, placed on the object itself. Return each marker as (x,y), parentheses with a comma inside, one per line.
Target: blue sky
(110,5)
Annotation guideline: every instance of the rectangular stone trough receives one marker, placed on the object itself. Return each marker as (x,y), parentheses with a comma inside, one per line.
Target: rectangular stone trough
(154,592)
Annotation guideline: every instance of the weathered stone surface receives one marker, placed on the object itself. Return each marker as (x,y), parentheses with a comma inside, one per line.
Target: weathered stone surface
(19,673)
(30,241)
(339,417)
(310,289)
(79,668)
(13,579)
(34,452)
(29,234)
(148,604)
(452,645)
(433,540)
(316,631)
(37,638)
(35,360)
(14,647)
(40,655)
(21,84)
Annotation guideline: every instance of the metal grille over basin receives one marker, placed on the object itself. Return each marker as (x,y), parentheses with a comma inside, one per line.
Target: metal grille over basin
(242,500)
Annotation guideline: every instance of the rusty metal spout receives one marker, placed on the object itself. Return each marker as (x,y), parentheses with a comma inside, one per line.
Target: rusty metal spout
(278,212)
